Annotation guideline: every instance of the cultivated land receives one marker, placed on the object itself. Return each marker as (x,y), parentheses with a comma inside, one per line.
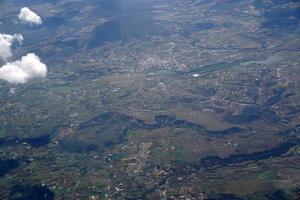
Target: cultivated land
(152,99)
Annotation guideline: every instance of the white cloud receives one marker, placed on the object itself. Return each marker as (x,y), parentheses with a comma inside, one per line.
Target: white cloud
(24,70)
(30,17)
(6,42)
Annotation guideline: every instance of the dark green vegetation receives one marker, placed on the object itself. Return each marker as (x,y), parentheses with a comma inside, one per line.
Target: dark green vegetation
(7,165)
(211,161)
(152,99)
(21,192)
